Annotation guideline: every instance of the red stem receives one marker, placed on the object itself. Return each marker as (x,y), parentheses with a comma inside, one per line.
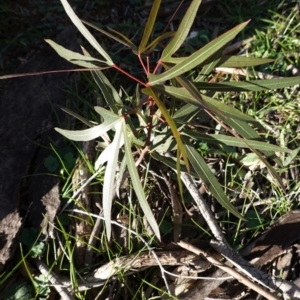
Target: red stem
(142,63)
(129,75)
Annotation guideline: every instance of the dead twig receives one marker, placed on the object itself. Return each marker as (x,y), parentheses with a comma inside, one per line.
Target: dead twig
(54,279)
(241,278)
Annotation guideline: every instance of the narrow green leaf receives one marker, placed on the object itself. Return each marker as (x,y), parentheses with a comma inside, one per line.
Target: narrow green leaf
(124,41)
(149,25)
(233,141)
(149,91)
(171,163)
(253,85)
(110,121)
(210,180)
(136,182)
(247,132)
(109,178)
(208,67)
(210,103)
(291,157)
(226,61)
(77,116)
(197,57)
(154,43)
(270,168)
(77,58)
(236,61)
(186,110)
(110,95)
(183,30)
(84,31)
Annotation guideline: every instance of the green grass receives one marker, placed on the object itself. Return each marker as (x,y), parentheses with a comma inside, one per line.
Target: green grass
(247,183)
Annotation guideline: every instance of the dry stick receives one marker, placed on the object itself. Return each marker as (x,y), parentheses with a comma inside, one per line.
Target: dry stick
(54,279)
(256,274)
(241,278)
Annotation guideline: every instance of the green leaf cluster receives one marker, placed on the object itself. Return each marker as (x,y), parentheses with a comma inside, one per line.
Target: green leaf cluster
(166,126)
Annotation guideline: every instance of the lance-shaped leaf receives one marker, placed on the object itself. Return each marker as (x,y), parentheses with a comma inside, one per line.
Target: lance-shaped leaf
(242,61)
(154,43)
(77,58)
(210,180)
(124,40)
(110,120)
(149,25)
(110,94)
(172,163)
(186,110)
(77,116)
(233,141)
(246,131)
(171,123)
(253,85)
(183,30)
(208,67)
(109,177)
(84,31)
(136,182)
(105,155)
(209,103)
(233,61)
(197,57)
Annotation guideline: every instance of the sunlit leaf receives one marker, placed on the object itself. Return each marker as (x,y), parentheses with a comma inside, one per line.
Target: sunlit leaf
(149,25)
(84,31)
(136,182)
(109,178)
(197,57)
(183,30)
(110,121)
(77,58)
